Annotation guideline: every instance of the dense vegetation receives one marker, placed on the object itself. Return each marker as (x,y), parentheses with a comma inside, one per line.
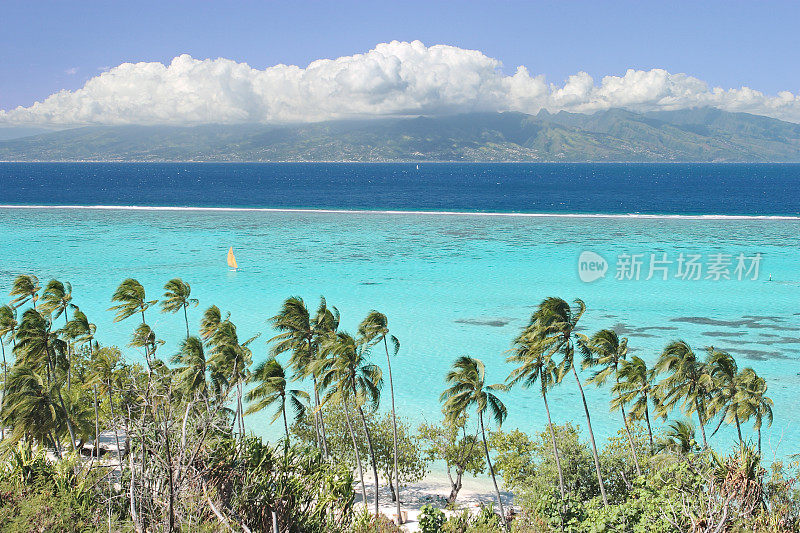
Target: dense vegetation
(183,458)
(690,135)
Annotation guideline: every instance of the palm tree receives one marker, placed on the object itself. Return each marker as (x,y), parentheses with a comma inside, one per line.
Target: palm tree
(104,368)
(688,382)
(192,375)
(346,365)
(131,297)
(231,356)
(177,297)
(29,407)
(79,330)
(212,317)
(678,438)
(271,388)
(8,326)
(301,335)
(753,402)
(25,287)
(606,350)
(551,331)
(724,398)
(56,299)
(534,364)
(634,387)
(373,330)
(467,380)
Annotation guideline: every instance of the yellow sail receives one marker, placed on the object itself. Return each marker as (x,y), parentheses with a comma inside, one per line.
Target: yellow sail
(231,259)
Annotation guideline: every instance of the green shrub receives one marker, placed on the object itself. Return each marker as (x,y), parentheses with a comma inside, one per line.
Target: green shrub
(431,519)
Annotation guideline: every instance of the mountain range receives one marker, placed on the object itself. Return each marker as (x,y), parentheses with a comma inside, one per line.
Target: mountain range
(615,135)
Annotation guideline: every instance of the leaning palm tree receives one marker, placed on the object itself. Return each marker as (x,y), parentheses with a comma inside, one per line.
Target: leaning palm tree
(374,329)
(271,388)
(178,297)
(724,399)
(25,287)
(231,356)
(688,382)
(535,365)
(29,408)
(753,402)
(468,389)
(57,299)
(192,374)
(606,350)
(346,365)
(301,335)
(132,300)
(8,326)
(634,387)
(551,331)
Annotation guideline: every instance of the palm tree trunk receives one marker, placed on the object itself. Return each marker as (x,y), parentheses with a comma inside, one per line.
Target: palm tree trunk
(555,448)
(323,435)
(69,357)
(630,440)
(738,427)
(649,429)
(285,421)
(491,471)
(702,424)
(5,384)
(96,450)
(113,426)
(186,318)
(394,434)
(355,450)
(759,440)
(591,438)
(372,456)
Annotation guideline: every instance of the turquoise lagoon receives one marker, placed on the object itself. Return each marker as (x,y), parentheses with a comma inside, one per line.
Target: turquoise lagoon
(451,284)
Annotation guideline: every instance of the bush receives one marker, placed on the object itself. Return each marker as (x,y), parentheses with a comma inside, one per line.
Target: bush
(431,519)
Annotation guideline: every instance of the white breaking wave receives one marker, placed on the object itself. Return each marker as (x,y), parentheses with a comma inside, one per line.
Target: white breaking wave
(404,212)
(393,79)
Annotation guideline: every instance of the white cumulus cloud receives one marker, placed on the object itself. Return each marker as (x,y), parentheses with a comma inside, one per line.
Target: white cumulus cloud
(393,79)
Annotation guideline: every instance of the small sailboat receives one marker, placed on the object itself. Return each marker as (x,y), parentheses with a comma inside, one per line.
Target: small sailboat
(232,259)
(417,167)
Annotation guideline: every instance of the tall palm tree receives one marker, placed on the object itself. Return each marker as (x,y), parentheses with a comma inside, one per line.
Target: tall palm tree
(104,374)
(606,350)
(29,407)
(468,389)
(270,388)
(25,287)
(753,401)
(8,326)
(689,382)
(535,365)
(724,399)
(231,356)
(132,300)
(346,365)
(551,331)
(79,330)
(56,300)
(192,374)
(177,297)
(301,335)
(634,387)
(374,329)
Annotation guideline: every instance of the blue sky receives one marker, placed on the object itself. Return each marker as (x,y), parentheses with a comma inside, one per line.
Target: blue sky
(49,46)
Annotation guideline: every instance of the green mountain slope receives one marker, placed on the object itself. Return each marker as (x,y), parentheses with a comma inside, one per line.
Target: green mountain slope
(614,135)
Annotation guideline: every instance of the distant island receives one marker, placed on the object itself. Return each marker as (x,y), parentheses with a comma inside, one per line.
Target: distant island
(616,135)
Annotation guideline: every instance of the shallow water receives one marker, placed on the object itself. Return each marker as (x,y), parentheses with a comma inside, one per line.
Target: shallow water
(450,284)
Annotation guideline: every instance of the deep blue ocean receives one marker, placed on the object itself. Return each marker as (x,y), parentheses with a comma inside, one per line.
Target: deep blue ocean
(451,284)
(734,189)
